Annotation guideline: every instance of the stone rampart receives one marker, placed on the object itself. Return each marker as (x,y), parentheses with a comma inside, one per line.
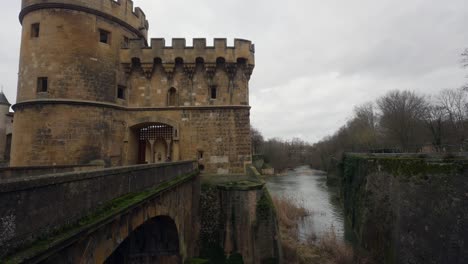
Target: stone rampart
(408,209)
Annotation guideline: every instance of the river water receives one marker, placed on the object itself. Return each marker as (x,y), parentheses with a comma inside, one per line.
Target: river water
(309,187)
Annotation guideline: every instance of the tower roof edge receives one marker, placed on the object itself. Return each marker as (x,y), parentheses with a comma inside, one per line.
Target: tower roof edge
(3,99)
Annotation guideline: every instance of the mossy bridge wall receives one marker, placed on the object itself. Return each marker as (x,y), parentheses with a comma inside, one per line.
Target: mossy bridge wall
(92,212)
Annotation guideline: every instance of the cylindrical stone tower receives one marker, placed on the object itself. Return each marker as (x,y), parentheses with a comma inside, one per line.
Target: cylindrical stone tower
(70,60)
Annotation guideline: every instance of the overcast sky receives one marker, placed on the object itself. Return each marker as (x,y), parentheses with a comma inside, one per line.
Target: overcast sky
(315,60)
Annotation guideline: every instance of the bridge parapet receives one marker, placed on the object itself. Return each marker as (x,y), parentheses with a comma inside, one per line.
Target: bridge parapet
(9,173)
(35,207)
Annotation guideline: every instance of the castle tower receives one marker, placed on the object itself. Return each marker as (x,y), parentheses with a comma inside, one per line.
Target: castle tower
(69,51)
(91,88)
(4,110)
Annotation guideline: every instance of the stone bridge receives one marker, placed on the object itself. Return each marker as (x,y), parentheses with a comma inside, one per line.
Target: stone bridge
(135,214)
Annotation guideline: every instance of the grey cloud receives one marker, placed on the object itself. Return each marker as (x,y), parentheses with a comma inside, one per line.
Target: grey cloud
(315,59)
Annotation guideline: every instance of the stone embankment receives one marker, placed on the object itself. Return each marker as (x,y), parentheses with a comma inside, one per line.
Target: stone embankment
(238,219)
(408,209)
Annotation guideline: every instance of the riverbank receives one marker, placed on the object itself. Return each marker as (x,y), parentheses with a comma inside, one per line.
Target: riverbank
(311,218)
(326,250)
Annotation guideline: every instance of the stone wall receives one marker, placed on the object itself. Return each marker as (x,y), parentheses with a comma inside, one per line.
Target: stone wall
(37,206)
(408,210)
(238,217)
(177,202)
(68,52)
(11,173)
(121,12)
(5,128)
(81,133)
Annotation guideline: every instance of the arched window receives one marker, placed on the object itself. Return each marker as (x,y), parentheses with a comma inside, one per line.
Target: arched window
(136,63)
(172,97)
(199,60)
(220,62)
(179,61)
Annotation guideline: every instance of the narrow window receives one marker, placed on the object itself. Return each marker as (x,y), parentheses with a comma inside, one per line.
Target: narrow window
(213,92)
(35,28)
(125,43)
(8,147)
(104,36)
(201,167)
(42,84)
(200,154)
(172,97)
(121,92)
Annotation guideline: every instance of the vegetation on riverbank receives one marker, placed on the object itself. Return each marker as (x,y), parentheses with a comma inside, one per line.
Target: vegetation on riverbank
(326,250)
(397,122)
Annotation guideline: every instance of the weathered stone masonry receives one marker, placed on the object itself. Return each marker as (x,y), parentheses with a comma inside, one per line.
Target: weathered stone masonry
(408,209)
(90,88)
(89,214)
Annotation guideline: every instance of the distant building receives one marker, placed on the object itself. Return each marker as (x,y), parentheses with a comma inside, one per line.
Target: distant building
(91,89)
(6,123)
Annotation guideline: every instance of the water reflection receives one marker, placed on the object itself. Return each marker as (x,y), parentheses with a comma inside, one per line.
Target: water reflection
(310,187)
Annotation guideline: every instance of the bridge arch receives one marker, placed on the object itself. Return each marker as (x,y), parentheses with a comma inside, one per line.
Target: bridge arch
(172,209)
(155,241)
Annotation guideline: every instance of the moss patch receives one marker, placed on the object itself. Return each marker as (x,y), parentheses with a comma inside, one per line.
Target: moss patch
(371,183)
(235,258)
(210,222)
(244,185)
(253,172)
(197,261)
(265,206)
(405,167)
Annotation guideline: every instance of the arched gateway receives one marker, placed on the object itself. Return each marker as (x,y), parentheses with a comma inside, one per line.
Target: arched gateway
(155,143)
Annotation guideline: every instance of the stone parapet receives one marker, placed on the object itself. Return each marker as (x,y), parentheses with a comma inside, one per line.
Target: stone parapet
(242,52)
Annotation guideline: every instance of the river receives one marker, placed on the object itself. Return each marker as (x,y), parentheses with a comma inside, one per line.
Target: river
(310,188)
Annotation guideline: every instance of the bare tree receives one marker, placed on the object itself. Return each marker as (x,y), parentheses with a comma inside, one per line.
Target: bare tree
(402,113)
(465,64)
(363,127)
(257,140)
(465,58)
(454,103)
(435,123)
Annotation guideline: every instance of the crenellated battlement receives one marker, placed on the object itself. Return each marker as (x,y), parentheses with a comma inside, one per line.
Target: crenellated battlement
(242,50)
(119,11)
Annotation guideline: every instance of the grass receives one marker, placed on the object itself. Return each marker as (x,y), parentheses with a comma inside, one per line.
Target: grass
(339,252)
(327,250)
(289,211)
